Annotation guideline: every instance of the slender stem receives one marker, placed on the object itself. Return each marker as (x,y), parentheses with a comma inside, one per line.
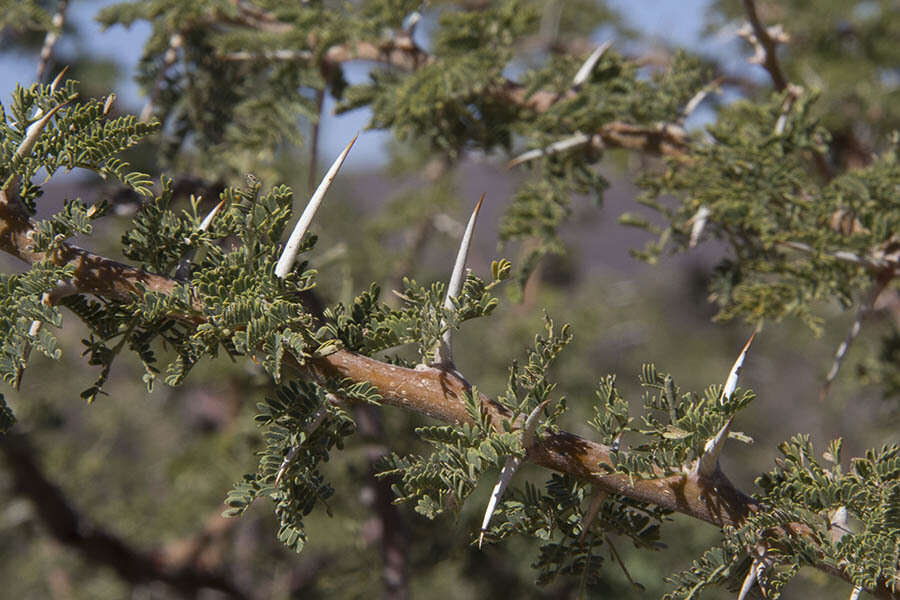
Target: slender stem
(770,56)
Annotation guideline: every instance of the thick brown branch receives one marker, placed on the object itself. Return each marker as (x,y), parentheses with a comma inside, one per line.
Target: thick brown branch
(95,543)
(429,391)
(440,394)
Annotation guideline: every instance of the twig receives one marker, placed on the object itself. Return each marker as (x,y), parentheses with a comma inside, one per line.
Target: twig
(862,312)
(57,23)
(314,142)
(765,42)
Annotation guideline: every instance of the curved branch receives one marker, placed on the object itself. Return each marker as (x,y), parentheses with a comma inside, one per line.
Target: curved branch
(433,392)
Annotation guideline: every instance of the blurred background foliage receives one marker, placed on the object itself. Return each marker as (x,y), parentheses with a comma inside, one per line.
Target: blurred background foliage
(154,468)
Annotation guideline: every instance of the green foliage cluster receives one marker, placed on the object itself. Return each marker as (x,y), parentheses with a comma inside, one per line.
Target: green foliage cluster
(301,426)
(792,238)
(78,136)
(852,515)
(245,75)
(674,426)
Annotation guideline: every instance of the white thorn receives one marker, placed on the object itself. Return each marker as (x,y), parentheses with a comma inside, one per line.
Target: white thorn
(34,132)
(208,219)
(870,262)
(184,266)
(506,475)
(698,224)
(512,463)
(617,442)
(286,261)
(706,465)
(731,382)
(298,55)
(757,569)
(698,98)
(862,312)
(854,595)
(749,580)
(288,459)
(443,354)
(585,71)
(785,109)
(56,80)
(578,139)
(35,328)
(411,21)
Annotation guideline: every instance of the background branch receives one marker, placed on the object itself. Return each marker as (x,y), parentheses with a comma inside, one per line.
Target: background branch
(97,544)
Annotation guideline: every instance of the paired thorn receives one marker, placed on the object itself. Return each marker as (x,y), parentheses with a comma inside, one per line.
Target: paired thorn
(33,330)
(706,464)
(589,64)
(573,141)
(506,475)
(794,92)
(512,465)
(107,105)
(286,261)
(411,22)
(443,354)
(208,219)
(876,263)
(32,134)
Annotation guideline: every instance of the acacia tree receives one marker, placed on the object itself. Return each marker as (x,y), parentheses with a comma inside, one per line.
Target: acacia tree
(798,186)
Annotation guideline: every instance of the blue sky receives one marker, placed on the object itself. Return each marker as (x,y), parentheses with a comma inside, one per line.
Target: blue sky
(673,22)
